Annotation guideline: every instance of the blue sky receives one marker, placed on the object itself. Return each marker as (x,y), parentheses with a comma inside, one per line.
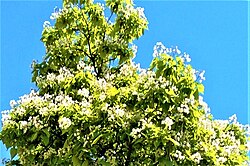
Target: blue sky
(214,33)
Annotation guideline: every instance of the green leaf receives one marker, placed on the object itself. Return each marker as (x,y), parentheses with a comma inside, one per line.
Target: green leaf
(13,152)
(103,163)
(136,141)
(85,163)
(196,94)
(112,91)
(76,161)
(97,139)
(165,162)
(170,92)
(46,131)
(45,140)
(34,136)
(156,143)
(173,141)
(200,88)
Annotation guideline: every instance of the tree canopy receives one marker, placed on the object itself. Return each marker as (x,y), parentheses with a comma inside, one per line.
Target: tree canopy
(95,106)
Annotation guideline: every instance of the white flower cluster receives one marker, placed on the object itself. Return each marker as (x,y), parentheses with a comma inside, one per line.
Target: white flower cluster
(196,157)
(185,57)
(83,92)
(134,49)
(64,74)
(159,49)
(204,105)
(179,155)
(168,122)
(35,120)
(31,97)
(83,66)
(183,108)
(46,24)
(129,9)
(57,12)
(5,117)
(127,70)
(136,132)
(115,112)
(64,123)
(51,78)
(140,12)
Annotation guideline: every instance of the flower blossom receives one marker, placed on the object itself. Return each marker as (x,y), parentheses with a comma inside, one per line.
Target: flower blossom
(13,103)
(196,157)
(46,24)
(185,57)
(64,123)
(168,122)
(201,76)
(83,92)
(119,112)
(140,12)
(56,13)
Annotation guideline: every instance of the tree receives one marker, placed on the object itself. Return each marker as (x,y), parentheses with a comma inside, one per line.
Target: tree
(95,106)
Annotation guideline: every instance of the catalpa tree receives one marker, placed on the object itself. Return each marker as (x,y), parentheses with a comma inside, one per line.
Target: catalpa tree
(95,106)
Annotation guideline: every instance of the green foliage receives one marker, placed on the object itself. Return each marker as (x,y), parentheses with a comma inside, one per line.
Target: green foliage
(94,106)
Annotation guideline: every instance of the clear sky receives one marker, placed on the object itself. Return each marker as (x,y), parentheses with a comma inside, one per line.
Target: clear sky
(214,33)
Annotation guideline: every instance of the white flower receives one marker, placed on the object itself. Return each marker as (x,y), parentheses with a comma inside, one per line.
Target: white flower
(102,96)
(102,83)
(89,68)
(56,13)
(51,77)
(44,111)
(201,75)
(179,155)
(119,112)
(204,105)
(5,116)
(23,124)
(46,24)
(183,108)
(134,49)
(168,122)
(85,103)
(60,78)
(64,123)
(174,88)
(159,49)
(176,50)
(83,92)
(194,74)
(20,111)
(140,12)
(186,57)
(59,99)
(13,103)
(136,132)
(86,111)
(67,101)
(222,159)
(196,157)
(233,119)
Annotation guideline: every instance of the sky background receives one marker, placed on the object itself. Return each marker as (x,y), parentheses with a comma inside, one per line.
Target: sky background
(214,33)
